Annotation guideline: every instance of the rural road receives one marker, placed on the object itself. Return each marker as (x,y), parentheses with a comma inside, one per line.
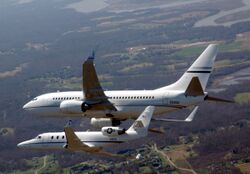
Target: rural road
(172,163)
(44,164)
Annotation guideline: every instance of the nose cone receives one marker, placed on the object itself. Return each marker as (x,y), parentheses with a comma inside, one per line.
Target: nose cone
(28,106)
(25,107)
(22,144)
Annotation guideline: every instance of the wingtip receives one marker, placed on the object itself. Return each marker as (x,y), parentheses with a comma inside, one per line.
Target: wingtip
(92,56)
(214,47)
(192,115)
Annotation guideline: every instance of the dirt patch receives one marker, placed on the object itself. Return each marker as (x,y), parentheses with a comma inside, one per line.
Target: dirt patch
(13,72)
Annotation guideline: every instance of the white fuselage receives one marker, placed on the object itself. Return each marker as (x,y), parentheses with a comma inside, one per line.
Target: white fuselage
(128,103)
(57,140)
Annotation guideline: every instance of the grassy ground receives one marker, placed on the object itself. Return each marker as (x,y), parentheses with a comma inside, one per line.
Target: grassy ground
(39,165)
(190,51)
(242,98)
(244,168)
(34,164)
(178,154)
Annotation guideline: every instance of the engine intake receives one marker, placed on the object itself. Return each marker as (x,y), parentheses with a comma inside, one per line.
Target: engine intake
(74,106)
(85,107)
(113,131)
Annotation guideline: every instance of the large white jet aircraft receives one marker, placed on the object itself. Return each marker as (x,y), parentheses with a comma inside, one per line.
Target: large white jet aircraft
(110,107)
(93,141)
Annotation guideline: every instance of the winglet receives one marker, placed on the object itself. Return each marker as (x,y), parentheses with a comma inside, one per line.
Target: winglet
(191,116)
(92,56)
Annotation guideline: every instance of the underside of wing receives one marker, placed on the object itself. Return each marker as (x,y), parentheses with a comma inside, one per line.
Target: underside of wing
(92,89)
(75,144)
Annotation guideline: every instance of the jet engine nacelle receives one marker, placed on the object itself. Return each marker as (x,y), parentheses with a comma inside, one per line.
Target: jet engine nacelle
(113,131)
(73,106)
(104,122)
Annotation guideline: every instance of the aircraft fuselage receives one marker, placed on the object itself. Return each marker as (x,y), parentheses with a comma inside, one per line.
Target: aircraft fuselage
(128,103)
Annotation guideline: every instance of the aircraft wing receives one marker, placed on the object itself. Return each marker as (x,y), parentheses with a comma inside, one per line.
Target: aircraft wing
(75,144)
(92,89)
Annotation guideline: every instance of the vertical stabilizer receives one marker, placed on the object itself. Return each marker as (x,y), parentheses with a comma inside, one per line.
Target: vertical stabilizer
(143,121)
(201,69)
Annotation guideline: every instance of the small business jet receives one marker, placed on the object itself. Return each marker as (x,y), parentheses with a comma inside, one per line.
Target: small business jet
(111,107)
(93,141)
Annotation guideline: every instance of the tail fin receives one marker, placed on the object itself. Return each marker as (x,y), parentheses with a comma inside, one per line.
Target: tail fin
(142,122)
(201,68)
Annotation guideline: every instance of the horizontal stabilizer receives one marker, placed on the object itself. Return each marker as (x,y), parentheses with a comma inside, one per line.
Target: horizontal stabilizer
(194,88)
(217,99)
(156,130)
(188,119)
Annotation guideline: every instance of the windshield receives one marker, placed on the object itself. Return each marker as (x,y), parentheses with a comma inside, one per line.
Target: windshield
(38,137)
(34,99)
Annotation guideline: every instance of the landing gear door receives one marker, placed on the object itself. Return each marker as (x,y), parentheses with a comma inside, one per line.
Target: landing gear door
(165,100)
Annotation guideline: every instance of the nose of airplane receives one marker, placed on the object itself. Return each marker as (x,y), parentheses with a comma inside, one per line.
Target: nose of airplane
(20,145)
(26,106)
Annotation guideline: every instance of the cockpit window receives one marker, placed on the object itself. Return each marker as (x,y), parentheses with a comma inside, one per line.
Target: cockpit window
(39,137)
(34,99)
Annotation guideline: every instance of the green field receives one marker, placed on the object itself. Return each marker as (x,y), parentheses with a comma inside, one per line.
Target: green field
(242,98)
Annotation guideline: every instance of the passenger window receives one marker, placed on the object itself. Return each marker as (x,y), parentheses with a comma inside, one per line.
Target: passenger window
(39,137)
(62,137)
(57,137)
(52,137)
